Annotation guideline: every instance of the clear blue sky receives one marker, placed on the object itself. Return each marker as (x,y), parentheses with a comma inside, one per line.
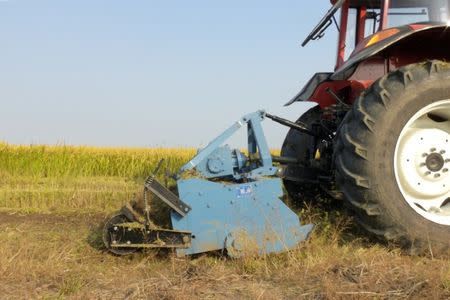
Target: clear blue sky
(152,73)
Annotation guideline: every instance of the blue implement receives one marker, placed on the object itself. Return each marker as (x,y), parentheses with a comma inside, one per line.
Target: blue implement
(247,218)
(227,201)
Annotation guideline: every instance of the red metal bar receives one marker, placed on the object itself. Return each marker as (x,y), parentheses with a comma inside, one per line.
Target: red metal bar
(342,34)
(361,24)
(384,16)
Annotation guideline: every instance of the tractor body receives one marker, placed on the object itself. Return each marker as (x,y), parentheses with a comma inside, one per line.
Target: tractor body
(386,108)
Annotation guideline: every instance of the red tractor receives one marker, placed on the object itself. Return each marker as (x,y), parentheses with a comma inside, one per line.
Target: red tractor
(382,123)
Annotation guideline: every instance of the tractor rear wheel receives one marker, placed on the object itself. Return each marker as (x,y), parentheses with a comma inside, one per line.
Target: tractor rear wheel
(302,147)
(392,158)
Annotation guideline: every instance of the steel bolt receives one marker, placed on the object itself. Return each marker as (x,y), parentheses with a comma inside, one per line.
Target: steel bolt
(115,228)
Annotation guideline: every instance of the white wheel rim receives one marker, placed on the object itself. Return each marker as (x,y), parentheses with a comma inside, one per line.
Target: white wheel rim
(422,162)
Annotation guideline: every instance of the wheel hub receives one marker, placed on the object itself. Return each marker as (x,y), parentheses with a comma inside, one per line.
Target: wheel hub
(422,162)
(435,162)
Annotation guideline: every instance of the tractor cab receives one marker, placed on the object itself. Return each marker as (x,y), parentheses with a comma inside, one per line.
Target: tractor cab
(364,23)
(376,37)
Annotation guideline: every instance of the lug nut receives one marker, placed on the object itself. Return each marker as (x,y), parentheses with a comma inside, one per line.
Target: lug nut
(433,149)
(447,160)
(427,173)
(442,152)
(437,175)
(445,170)
(423,164)
(425,155)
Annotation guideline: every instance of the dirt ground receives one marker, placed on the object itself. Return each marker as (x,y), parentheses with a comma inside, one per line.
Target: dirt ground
(61,256)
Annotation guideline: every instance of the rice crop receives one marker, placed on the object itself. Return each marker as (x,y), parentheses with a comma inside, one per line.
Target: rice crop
(82,161)
(42,178)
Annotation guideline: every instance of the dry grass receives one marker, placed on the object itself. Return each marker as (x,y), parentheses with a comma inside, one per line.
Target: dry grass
(98,194)
(48,256)
(50,243)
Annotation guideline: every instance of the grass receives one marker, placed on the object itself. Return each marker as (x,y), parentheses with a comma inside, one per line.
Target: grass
(55,198)
(49,256)
(92,194)
(41,178)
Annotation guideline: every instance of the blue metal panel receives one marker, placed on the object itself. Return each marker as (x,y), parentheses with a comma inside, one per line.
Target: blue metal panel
(221,213)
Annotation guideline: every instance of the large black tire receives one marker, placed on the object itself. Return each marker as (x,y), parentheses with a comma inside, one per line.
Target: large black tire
(365,156)
(302,147)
